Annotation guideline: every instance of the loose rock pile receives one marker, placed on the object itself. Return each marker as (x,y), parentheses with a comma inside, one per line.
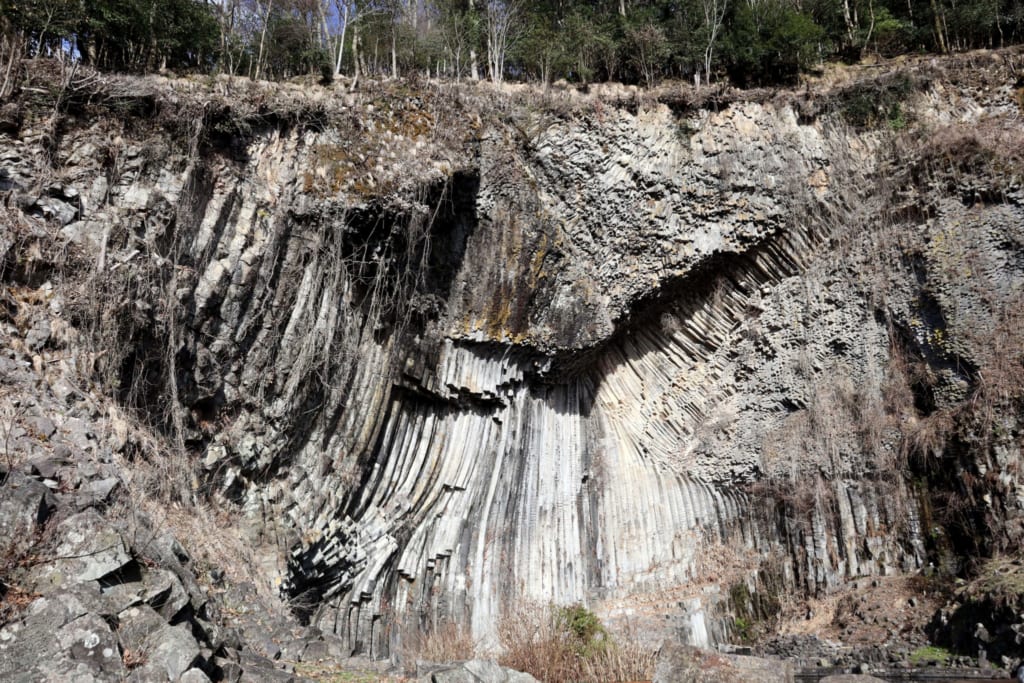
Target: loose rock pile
(91,587)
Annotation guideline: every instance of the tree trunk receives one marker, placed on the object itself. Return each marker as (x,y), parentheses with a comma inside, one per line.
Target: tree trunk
(940,34)
(355,58)
(343,13)
(394,55)
(474,66)
(851,24)
(263,37)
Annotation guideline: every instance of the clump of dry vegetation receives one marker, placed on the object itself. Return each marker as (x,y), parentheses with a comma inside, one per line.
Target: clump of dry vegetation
(570,644)
(445,642)
(986,159)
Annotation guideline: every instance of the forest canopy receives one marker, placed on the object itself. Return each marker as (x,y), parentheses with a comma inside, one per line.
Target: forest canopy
(750,42)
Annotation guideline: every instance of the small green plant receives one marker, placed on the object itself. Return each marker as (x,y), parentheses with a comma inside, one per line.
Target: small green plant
(897,119)
(930,654)
(588,634)
(743,627)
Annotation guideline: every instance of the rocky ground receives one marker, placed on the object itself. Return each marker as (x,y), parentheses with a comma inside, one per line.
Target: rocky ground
(891,626)
(106,574)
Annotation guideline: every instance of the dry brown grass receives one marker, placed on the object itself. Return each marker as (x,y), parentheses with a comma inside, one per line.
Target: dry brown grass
(992,148)
(538,640)
(1000,380)
(133,659)
(446,642)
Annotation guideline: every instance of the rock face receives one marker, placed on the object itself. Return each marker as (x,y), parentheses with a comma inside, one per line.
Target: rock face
(452,353)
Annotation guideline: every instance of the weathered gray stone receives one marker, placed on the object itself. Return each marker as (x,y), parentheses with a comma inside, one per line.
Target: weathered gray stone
(58,210)
(477,671)
(194,676)
(25,504)
(165,593)
(315,651)
(38,335)
(683,663)
(228,670)
(60,635)
(43,426)
(47,467)
(137,626)
(268,648)
(172,651)
(97,492)
(256,668)
(88,548)
(88,640)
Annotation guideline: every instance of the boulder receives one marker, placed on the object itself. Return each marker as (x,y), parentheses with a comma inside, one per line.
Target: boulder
(172,651)
(88,640)
(137,626)
(315,651)
(258,669)
(36,339)
(165,593)
(227,670)
(47,467)
(25,504)
(97,492)
(476,671)
(682,663)
(60,638)
(88,548)
(124,588)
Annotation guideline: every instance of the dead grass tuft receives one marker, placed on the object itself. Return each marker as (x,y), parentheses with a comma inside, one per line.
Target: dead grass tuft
(558,644)
(133,659)
(446,642)
(990,150)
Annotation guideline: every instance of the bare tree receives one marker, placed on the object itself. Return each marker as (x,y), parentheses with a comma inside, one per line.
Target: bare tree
(474,65)
(346,10)
(851,17)
(227,19)
(456,34)
(356,71)
(714,14)
(502,24)
(649,46)
(263,38)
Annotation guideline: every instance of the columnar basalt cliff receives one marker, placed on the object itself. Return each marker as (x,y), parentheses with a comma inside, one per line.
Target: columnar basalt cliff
(451,349)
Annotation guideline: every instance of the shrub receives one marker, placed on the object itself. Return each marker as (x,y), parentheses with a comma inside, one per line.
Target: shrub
(587,635)
(569,644)
(446,642)
(868,105)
